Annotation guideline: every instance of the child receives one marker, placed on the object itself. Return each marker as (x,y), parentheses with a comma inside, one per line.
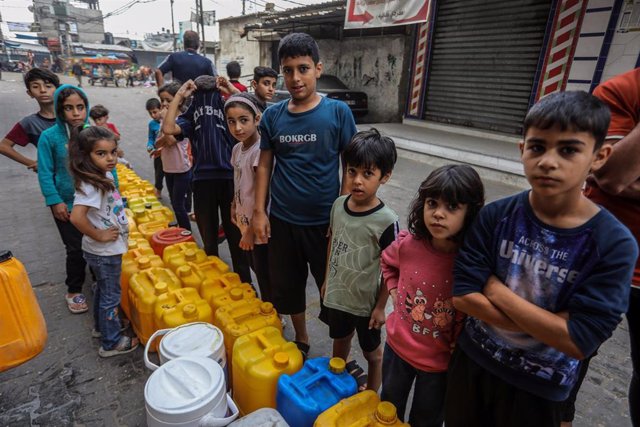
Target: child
(176,162)
(98,212)
(122,160)
(418,272)
(41,84)
(204,124)
(264,83)
(100,116)
(71,105)
(154,109)
(243,113)
(543,276)
(361,227)
(234,71)
(305,136)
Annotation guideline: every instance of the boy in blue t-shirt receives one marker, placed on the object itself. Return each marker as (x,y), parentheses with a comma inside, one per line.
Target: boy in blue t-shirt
(154,109)
(543,276)
(305,135)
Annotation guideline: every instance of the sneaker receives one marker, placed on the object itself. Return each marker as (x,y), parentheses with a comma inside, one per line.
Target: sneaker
(124,346)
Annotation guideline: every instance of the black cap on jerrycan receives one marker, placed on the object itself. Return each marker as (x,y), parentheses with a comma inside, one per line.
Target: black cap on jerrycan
(5,255)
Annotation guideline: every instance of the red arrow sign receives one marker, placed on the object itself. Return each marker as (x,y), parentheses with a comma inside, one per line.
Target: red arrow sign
(352,17)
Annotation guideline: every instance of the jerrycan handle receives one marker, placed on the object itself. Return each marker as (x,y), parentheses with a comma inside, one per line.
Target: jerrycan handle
(148,363)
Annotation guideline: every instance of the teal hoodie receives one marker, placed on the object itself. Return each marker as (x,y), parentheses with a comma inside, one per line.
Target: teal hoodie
(56,183)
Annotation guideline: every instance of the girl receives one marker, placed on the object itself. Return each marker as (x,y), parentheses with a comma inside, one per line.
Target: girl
(71,106)
(176,163)
(418,271)
(98,212)
(242,112)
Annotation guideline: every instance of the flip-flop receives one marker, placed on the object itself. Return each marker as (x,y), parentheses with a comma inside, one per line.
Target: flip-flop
(124,346)
(358,374)
(77,300)
(304,349)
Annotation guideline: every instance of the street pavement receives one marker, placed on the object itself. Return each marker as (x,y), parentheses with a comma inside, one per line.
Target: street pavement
(68,384)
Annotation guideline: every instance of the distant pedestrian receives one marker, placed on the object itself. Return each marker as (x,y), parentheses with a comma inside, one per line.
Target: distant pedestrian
(100,116)
(77,71)
(186,65)
(98,213)
(154,109)
(233,72)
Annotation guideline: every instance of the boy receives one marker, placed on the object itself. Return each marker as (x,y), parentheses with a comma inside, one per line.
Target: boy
(41,84)
(234,71)
(205,126)
(305,135)
(264,83)
(543,276)
(361,227)
(100,116)
(155,112)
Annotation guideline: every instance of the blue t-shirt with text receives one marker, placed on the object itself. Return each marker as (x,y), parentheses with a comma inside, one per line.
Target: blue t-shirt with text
(306,148)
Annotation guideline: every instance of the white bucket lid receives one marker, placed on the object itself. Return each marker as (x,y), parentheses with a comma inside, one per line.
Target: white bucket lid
(192,339)
(184,389)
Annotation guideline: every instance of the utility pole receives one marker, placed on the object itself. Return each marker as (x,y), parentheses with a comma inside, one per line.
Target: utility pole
(173,30)
(201,13)
(243,5)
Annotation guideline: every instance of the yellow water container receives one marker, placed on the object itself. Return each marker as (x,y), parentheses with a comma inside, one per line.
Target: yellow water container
(243,317)
(219,287)
(137,241)
(145,214)
(241,291)
(23,331)
(363,409)
(259,358)
(144,202)
(133,261)
(190,277)
(212,268)
(141,190)
(144,289)
(182,253)
(181,306)
(132,222)
(148,229)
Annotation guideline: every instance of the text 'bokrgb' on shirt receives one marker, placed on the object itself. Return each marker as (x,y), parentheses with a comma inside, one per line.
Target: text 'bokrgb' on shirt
(584,271)
(306,149)
(205,126)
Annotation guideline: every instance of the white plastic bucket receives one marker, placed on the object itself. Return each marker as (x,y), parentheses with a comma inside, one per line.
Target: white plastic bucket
(186,390)
(192,339)
(264,417)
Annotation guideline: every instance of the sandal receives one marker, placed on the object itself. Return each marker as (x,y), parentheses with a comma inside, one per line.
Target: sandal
(124,325)
(77,304)
(124,346)
(304,349)
(358,374)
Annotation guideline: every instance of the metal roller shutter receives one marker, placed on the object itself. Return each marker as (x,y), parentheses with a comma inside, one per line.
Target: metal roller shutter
(483,62)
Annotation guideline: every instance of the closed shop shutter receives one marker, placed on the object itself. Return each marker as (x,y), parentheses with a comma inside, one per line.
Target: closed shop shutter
(483,62)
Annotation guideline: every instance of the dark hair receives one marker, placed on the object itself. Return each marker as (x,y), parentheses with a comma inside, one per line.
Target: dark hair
(152,103)
(98,111)
(41,74)
(260,72)
(172,87)
(190,40)
(368,148)
(298,44)
(233,69)
(83,139)
(64,94)
(231,102)
(576,111)
(455,184)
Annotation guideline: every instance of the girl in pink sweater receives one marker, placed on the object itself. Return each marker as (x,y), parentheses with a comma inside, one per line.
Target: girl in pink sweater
(417,269)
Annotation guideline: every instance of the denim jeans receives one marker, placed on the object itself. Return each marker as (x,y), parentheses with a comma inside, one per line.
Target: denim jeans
(178,185)
(427,408)
(106,299)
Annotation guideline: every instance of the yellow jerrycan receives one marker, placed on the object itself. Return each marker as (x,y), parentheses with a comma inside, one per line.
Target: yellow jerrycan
(218,287)
(190,277)
(243,317)
(181,306)
(132,262)
(363,409)
(23,331)
(133,227)
(259,358)
(242,291)
(139,189)
(144,289)
(149,213)
(180,254)
(137,241)
(148,229)
(144,202)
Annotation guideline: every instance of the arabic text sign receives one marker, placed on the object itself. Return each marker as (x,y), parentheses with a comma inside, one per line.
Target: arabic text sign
(385,13)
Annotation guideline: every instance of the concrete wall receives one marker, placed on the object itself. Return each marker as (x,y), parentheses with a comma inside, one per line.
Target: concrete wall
(89,21)
(375,65)
(233,47)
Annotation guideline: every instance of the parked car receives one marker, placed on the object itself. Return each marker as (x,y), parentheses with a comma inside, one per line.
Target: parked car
(331,87)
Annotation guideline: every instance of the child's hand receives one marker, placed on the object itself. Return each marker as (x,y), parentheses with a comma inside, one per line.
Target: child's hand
(246,242)
(261,227)
(493,287)
(187,89)
(111,234)
(377,318)
(222,82)
(60,212)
